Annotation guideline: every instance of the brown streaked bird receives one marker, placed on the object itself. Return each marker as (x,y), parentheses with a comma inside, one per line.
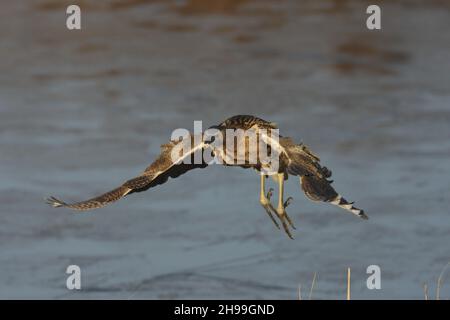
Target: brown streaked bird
(293,159)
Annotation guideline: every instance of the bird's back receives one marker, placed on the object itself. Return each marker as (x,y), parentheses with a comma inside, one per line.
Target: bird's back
(246,122)
(251,126)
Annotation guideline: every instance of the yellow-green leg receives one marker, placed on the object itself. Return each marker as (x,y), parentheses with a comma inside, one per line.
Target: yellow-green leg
(281,208)
(265,200)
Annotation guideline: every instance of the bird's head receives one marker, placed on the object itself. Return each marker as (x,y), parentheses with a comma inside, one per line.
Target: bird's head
(217,127)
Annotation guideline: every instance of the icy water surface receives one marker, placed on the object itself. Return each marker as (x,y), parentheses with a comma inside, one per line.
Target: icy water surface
(83,111)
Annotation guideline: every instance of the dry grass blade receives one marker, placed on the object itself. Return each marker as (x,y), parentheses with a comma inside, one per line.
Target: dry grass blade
(300,291)
(348,283)
(312,285)
(439,282)
(425,291)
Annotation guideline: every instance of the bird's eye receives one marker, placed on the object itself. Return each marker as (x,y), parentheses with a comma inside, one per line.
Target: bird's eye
(211,139)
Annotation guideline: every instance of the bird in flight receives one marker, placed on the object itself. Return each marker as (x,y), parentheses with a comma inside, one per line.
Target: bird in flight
(180,156)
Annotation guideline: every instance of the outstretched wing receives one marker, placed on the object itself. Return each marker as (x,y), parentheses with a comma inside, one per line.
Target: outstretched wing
(176,158)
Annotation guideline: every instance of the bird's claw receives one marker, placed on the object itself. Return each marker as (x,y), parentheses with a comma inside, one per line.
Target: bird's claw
(287,202)
(269,194)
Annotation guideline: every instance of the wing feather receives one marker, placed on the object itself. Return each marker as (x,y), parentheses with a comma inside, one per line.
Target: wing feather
(301,161)
(163,168)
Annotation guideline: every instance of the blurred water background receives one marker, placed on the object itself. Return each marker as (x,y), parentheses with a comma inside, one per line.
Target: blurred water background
(82,111)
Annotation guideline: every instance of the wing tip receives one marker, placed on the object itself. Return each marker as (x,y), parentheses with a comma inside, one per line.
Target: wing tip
(55,203)
(363,215)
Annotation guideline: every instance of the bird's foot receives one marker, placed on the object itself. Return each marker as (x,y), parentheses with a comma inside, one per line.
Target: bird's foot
(284,218)
(286,203)
(265,202)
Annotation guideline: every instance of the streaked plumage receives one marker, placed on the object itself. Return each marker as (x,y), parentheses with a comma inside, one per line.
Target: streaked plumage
(294,159)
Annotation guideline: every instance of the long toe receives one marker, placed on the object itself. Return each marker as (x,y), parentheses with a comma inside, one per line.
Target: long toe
(286,229)
(290,221)
(269,213)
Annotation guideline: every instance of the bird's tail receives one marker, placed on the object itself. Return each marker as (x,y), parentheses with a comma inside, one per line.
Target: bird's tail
(320,189)
(344,204)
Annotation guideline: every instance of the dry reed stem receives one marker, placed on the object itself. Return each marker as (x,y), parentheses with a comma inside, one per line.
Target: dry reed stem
(348,283)
(312,285)
(439,282)
(300,291)
(425,291)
